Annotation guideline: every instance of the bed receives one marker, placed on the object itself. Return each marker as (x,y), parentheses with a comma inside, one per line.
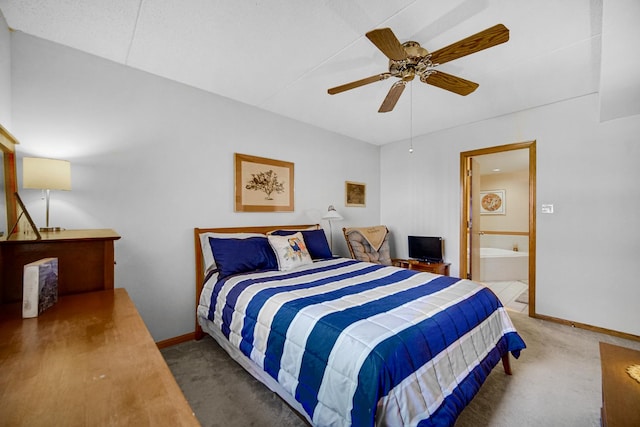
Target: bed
(346,342)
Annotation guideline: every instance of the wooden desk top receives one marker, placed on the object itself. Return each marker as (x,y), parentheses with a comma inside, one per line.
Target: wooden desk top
(89,234)
(88,360)
(620,392)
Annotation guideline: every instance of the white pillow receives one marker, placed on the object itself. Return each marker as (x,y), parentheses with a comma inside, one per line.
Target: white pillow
(207,256)
(290,250)
(309,228)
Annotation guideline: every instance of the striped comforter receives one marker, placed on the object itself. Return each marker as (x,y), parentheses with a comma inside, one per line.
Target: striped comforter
(363,344)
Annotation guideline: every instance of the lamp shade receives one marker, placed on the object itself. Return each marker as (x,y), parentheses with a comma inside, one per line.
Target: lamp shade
(46,174)
(332,214)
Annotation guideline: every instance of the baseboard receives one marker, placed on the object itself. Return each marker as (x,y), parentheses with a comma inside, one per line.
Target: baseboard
(588,327)
(176,340)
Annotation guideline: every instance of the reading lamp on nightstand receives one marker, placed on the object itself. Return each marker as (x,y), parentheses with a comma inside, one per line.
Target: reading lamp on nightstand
(46,174)
(331,214)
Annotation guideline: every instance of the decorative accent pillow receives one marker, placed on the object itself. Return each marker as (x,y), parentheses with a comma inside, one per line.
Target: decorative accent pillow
(290,250)
(235,256)
(315,240)
(207,256)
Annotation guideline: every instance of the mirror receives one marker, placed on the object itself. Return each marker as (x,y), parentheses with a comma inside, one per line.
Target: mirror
(8,213)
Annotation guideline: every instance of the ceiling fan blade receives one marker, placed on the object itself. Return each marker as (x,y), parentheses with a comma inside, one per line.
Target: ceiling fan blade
(451,83)
(388,43)
(392,97)
(484,39)
(358,83)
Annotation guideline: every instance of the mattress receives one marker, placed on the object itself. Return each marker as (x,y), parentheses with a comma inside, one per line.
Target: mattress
(352,343)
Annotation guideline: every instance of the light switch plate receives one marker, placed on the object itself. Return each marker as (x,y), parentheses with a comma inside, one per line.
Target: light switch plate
(547,209)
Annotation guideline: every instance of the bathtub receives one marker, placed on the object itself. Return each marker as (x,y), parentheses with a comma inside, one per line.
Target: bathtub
(503,265)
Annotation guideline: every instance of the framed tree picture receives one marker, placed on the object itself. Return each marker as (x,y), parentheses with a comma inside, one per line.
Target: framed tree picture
(355,194)
(263,185)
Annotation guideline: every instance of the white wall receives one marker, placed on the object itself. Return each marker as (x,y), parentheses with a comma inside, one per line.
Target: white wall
(619,70)
(587,251)
(516,216)
(153,159)
(5,109)
(5,74)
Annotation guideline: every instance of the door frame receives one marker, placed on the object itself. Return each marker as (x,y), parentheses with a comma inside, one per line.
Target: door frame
(465,195)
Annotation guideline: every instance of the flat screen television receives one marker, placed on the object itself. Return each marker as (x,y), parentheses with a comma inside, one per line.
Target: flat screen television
(425,248)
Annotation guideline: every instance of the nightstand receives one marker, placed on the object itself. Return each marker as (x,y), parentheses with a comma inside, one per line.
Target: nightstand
(441,268)
(620,392)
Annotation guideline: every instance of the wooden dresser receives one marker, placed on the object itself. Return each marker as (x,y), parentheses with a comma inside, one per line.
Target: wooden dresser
(88,360)
(85,261)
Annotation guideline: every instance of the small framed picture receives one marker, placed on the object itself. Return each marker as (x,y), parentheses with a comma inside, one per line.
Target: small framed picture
(355,194)
(24,224)
(492,202)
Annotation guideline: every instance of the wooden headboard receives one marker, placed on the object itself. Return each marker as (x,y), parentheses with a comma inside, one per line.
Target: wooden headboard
(263,229)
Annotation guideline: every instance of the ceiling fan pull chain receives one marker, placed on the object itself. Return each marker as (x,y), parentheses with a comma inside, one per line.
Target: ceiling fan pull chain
(411,119)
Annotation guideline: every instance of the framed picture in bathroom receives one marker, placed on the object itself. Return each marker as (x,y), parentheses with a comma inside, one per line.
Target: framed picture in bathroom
(492,202)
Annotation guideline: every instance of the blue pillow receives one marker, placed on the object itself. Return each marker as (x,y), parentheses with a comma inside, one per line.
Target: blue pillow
(233,256)
(315,240)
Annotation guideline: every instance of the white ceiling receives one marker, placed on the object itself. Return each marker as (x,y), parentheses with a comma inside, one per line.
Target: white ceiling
(503,162)
(283,55)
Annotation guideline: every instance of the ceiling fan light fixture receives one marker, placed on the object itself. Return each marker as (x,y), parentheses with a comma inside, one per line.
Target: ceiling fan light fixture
(408,59)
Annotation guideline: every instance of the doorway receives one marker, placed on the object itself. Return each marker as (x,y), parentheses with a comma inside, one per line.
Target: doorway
(497,232)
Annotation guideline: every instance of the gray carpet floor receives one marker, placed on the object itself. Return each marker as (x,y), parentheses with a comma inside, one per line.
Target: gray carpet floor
(555,382)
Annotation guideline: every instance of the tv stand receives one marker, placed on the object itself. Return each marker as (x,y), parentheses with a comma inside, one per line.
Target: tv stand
(429,267)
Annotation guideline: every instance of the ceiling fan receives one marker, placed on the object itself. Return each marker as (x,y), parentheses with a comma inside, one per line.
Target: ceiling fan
(408,60)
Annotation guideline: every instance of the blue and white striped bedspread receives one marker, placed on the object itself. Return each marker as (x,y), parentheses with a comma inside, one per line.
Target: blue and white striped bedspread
(362,344)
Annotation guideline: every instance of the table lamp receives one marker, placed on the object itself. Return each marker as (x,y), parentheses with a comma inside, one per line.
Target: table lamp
(331,214)
(46,174)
